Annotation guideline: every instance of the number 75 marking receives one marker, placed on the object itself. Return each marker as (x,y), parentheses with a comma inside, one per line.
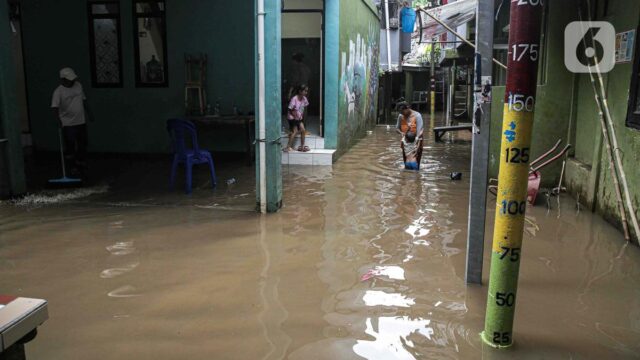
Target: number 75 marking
(515,253)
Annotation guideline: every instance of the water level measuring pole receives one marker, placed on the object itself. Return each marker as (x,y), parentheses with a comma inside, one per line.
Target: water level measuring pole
(520,99)
(432,101)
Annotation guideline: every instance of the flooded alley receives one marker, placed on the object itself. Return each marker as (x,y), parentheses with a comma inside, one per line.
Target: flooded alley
(365,261)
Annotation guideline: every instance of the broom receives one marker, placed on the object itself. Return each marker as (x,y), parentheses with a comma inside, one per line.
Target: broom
(64,180)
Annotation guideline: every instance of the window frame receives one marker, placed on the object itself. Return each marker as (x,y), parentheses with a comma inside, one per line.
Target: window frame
(136,43)
(92,42)
(633,119)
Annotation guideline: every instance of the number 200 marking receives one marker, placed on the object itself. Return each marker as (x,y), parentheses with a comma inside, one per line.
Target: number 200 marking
(530,2)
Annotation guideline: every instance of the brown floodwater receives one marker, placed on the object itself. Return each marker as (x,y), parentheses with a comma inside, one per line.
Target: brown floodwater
(365,261)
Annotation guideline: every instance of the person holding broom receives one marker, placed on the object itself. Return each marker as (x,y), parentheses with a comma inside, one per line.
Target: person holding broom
(69,108)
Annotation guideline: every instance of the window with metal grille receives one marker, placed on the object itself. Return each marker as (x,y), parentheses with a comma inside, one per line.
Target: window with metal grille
(105,44)
(633,112)
(150,40)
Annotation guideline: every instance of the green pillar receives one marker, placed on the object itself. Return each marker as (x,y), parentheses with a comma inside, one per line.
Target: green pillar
(331,72)
(273,108)
(9,117)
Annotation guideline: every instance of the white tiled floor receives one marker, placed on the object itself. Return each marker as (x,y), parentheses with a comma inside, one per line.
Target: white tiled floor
(313,142)
(318,157)
(300,158)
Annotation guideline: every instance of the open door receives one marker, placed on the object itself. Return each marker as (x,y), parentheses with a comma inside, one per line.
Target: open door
(302,59)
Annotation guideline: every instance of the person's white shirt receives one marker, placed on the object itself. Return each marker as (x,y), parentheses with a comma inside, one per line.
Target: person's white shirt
(70,104)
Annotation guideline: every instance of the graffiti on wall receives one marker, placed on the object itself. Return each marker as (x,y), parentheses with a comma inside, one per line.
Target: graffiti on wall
(358,82)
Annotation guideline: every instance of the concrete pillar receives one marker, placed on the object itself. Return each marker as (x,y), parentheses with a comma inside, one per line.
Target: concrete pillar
(273,101)
(9,115)
(480,152)
(331,72)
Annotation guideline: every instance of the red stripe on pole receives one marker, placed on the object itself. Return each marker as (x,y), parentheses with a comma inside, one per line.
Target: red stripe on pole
(524,42)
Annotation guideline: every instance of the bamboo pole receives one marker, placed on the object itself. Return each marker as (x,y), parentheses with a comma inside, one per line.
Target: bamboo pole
(520,95)
(614,176)
(613,138)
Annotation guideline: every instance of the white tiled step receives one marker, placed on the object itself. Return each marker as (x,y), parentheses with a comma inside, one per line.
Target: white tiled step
(312,141)
(313,157)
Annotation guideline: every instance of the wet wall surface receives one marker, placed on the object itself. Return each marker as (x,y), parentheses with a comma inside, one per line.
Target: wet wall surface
(365,261)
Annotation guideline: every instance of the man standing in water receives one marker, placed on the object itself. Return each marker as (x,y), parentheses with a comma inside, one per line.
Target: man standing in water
(410,123)
(409,120)
(68,105)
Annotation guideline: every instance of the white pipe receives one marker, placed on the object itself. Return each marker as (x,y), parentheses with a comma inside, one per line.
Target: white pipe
(386,11)
(262,133)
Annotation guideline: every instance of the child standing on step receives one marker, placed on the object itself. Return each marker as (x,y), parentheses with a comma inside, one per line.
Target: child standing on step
(295,115)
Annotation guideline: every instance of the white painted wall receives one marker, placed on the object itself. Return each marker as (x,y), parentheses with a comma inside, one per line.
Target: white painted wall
(307,25)
(302,25)
(302,4)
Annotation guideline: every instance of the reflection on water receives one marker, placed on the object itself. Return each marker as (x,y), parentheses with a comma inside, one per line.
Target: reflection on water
(365,261)
(391,272)
(391,336)
(381,298)
(126,291)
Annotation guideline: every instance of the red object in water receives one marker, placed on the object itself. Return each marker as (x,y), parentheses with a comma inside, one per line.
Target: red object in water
(368,275)
(6,299)
(533,187)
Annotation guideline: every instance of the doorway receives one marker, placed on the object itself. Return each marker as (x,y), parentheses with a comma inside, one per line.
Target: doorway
(302,60)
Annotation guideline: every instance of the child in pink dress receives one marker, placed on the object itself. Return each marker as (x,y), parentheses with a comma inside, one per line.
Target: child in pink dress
(295,115)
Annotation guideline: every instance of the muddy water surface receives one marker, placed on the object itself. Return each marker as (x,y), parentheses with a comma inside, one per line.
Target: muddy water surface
(366,261)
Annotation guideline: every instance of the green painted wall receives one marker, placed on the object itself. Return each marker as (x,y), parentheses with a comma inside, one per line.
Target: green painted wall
(553,108)
(358,85)
(624,15)
(566,109)
(273,106)
(331,72)
(130,119)
(12,178)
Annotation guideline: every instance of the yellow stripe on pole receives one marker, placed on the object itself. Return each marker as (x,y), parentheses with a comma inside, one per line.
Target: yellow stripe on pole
(513,179)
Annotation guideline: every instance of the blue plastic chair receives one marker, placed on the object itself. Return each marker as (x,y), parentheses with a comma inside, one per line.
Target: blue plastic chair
(180,129)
